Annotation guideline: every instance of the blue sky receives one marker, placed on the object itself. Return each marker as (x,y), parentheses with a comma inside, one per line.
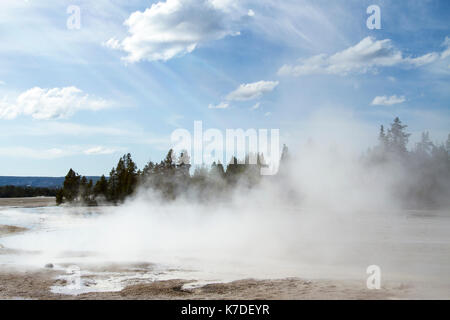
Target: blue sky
(82,97)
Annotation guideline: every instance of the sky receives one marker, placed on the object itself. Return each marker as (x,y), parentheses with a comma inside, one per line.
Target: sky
(83,82)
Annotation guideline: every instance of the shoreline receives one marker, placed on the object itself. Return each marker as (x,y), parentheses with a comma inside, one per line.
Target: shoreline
(36,285)
(32,202)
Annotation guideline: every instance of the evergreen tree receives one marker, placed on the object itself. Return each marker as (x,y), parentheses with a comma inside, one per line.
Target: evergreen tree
(220,170)
(235,170)
(59,196)
(169,162)
(148,170)
(283,160)
(101,187)
(382,138)
(113,186)
(200,173)
(71,186)
(83,192)
(397,137)
(183,164)
(447,144)
(216,171)
(425,146)
(284,154)
(123,179)
(131,175)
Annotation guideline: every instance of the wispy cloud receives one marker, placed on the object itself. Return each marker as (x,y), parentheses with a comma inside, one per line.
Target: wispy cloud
(174,120)
(222,105)
(256,106)
(247,91)
(446,45)
(368,55)
(250,91)
(56,128)
(54,153)
(100,150)
(388,101)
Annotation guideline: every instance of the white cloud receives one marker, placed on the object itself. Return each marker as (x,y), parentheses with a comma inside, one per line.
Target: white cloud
(55,128)
(251,13)
(423,60)
(222,105)
(176,27)
(365,56)
(256,106)
(267,114)
(112,44)
(7,111)
(99,150)
(53,103)
(24,152)
(53,153)
(249,91)
(388,101)
(446,52)
(2,83)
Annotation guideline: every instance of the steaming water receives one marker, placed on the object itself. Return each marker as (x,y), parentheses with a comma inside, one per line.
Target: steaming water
(141,242)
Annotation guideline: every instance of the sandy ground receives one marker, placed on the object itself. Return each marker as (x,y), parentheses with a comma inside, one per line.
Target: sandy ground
(27,202)
(6,230)
(36,285)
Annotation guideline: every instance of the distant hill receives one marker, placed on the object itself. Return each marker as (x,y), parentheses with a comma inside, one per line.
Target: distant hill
(41,182)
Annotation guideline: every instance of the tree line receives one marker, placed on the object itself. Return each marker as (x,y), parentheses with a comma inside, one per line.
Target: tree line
(26,192)
(426,182)
(427,165)
(171,178)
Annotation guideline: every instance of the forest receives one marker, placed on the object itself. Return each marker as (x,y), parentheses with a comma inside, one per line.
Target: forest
(26,192)
(427,164)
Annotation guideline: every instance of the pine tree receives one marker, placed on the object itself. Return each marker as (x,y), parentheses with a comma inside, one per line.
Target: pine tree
(131,176)
(169,162)
(220,169)
(397,137)
(59,196)
(447,144)
(382,138)
(425,146)
(71,186)
(148,169)
(216,171)
(113,186)
(284,154)
(123,179)
(101,187)
(183,164)
(84,194)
